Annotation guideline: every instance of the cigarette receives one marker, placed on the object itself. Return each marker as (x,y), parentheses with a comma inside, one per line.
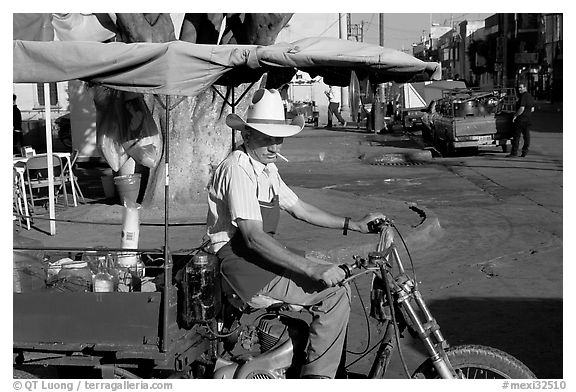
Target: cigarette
(282,157)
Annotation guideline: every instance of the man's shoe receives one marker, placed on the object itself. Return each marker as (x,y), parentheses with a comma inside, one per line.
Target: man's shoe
(511,156)
(523,154)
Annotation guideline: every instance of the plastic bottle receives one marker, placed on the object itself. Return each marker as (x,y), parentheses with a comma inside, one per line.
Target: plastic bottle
(103,281)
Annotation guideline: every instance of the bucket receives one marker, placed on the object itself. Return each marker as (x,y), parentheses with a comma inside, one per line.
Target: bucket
(108,186)
(128,187)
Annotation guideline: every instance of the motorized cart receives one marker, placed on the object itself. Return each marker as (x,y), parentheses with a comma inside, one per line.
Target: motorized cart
(122,334)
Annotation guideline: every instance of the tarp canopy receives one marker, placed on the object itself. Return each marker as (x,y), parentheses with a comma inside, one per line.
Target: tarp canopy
(182,68)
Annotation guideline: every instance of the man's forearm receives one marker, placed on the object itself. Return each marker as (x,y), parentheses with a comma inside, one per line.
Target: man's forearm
(316,216)
(277,254)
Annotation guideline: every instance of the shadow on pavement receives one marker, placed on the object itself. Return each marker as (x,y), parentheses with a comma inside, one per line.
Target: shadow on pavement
(530,329)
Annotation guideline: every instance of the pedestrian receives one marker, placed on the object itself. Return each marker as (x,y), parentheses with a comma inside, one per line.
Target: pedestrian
(333,94)
(389,109)
(397,112)
(284,95)
(16,127)
(245,196)
(428,119)
(522,120)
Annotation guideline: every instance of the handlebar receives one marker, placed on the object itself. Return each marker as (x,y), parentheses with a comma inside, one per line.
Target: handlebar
(375,259)
(378,224)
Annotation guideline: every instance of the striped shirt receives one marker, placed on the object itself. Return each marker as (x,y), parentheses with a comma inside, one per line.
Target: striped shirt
(237,186)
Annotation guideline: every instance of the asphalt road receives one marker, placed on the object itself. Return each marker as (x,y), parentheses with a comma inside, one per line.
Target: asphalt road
(495,276)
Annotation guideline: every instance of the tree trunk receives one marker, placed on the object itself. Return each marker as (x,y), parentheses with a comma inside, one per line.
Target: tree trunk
(199,141)
(199,137)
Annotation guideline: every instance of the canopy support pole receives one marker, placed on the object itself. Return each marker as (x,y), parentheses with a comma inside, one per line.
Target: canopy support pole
(49,158)
(233,104)
(167,258)
(234,111)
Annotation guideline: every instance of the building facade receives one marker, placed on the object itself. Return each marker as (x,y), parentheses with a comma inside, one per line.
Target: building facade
(502,50)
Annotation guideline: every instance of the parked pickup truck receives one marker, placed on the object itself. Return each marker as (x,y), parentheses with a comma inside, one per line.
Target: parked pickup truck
(473,118)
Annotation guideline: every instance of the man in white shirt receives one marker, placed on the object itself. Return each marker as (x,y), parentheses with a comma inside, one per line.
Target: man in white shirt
(334,99)
(245,196)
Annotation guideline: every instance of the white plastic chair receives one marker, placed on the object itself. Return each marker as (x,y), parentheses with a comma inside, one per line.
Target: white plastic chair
(70,177)
(37,176)
(20,203)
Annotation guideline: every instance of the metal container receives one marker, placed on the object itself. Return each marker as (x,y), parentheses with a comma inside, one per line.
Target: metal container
(466,108)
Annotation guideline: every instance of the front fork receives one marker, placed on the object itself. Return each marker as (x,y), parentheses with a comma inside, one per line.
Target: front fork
(427,329)
(415,312)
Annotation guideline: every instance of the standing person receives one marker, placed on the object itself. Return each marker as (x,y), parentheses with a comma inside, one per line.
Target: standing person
(16,127)
(245,197)
(333,94)
(428,120)
(284,95)
(522,120)
(390,109)
(397,112)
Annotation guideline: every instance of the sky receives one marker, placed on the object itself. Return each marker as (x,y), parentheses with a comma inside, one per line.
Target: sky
(401,30)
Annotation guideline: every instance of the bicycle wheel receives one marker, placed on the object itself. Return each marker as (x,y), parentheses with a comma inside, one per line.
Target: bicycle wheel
(478,362)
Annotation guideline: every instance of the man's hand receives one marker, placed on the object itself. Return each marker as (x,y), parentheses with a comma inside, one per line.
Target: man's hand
(330,274)
(362,224)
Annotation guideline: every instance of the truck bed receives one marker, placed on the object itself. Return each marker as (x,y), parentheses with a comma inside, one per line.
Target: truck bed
(473,131)
(476,125)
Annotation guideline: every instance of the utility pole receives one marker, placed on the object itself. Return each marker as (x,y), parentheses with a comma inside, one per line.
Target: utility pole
(505,52)
(344,24)
(378,107)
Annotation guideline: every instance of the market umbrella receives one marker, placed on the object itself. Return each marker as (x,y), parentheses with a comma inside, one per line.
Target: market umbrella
(183,68)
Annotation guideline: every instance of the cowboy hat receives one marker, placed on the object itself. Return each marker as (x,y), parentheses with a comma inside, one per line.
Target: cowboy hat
(266,115)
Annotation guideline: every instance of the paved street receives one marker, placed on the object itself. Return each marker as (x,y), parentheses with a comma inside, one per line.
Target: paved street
(495,276)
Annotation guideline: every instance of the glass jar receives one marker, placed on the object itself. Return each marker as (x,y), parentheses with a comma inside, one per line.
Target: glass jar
(200,279)
(103,281)
(78,272)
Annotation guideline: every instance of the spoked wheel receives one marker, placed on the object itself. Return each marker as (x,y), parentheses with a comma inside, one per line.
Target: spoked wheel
(478,362)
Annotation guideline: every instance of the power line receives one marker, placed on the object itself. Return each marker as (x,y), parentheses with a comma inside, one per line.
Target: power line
(333,23)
